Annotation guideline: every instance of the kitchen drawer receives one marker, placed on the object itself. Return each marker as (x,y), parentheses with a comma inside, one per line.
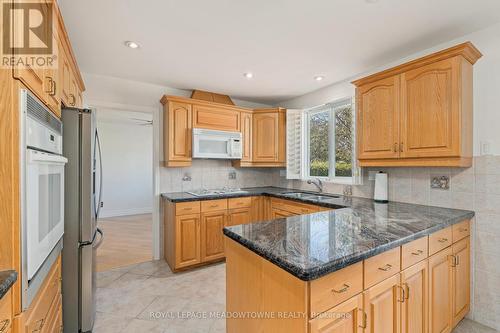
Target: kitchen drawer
(439,240)
(335,288)
(239,202)
(213,205)
(382,266)
(293,206)
(345,317)
(414,252)
(185,208)
(38,312)
(460,230)
(6,312)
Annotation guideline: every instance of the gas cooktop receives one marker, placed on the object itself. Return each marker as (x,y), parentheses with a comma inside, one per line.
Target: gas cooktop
(225,190)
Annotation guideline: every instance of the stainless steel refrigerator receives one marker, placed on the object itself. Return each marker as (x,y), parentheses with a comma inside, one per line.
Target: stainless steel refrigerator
(82,201)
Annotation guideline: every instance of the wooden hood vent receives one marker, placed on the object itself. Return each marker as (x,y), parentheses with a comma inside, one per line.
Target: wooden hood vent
(211,97)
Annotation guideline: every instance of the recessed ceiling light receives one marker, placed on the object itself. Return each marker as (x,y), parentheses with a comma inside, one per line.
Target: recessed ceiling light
(131,44)
(371,1)
(319,77)
(248,75)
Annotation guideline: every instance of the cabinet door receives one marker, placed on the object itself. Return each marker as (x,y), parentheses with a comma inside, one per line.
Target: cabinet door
(212,237)
(278,213)
(266,137)
(461,280)
(216,118)
(73,91)
(378,119)
(346,318)
(239,216)
(382,306)
(178,132)
(414,313)
(440,292)
(246,136)
(430,124)
(187,240)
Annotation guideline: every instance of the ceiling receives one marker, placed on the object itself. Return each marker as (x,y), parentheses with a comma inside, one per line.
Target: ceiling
(208,45)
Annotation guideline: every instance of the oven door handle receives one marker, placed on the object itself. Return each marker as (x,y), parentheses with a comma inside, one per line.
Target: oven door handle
(39,157)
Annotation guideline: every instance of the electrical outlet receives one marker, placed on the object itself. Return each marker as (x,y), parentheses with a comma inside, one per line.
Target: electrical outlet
(485,147)
(102,204)
(440,182)
(232,175)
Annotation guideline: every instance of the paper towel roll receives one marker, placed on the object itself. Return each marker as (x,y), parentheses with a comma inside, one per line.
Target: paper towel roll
(381,188)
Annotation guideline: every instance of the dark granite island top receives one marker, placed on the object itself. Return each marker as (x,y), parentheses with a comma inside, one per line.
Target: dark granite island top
(7,279)
(313,245)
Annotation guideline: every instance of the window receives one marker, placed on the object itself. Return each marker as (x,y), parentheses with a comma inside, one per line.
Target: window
(321,140)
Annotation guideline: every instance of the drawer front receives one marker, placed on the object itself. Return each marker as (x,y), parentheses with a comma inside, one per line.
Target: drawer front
(185,208)
(37,317)
(239,202)
(335,288)
(213,205)
(381,267)
(293,206)
(414,252)
(440,240)
(6,312)
(460,230)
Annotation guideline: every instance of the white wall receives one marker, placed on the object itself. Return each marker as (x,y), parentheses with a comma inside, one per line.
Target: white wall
(486,86)
(127,157)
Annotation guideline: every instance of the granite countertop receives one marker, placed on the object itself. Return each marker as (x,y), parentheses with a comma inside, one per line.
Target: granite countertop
(7,279)
(310,246)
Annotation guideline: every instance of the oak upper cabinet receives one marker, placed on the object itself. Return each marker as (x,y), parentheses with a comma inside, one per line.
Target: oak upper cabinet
(418,113)
(187,242)
(440,292)
(246,136)
(177,125)
(216,118)
(414,313)
(268,137)
(64,76)
(350,322)
(461,279)
(212,237)
(378,119)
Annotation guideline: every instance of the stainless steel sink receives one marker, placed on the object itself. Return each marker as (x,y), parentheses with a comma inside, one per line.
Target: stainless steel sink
(297,194)
(321,197)
(311,196)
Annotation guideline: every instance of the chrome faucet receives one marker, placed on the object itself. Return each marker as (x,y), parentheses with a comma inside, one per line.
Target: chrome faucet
(316,182)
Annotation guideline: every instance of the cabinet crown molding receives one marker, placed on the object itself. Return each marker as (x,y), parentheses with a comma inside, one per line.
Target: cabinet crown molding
(466,50)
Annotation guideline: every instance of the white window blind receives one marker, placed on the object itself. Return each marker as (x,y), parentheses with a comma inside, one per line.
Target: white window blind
(294,147)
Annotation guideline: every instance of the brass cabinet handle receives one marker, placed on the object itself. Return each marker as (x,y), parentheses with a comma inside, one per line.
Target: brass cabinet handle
(54,88)
(395,148)
(40,323)
(50,85)
(364,318)
(73,100)
(401,147)
(4,324)
(402,300)
(462,229)
(417,253)
(453,260)
(407,290)
(442,240)
(188,208)
(386,268)
(344,288)
(457,260)
(213,206)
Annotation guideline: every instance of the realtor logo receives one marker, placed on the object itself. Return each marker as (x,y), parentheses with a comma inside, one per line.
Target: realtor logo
(27,28)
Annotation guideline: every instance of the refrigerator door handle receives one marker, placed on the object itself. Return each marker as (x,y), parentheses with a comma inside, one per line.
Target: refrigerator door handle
(98,141)
(99,231)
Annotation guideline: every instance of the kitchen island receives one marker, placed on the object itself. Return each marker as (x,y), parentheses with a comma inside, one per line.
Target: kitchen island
(368,267)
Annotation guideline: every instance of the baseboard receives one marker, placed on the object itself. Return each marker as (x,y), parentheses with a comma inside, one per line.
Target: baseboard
(124,212)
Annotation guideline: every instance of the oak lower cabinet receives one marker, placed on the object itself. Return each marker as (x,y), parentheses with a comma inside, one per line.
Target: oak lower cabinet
(187,240)
(441,292)
(239,216)
(382,306)
(6,312)
(461,279)
(212,238)
(347,318)
(414,312)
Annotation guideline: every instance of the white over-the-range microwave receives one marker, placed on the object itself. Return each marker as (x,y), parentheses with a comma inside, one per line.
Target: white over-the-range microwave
(216,144)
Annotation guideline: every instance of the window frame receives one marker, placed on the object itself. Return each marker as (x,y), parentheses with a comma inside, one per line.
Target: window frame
(332,178)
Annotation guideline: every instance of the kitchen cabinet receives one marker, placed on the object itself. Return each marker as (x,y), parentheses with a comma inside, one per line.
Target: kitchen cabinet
(177,125)
(414,313)
(351,322)
(418,113)
(440,292)
(293,207)
(382,306)
(246,136)
(216,118)
(212,238)
(187,242)
(268,137)
(461,279)
(239,216)
(6,312)
(279,214)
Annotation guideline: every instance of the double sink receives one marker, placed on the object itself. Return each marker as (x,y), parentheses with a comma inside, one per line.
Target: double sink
(311,196)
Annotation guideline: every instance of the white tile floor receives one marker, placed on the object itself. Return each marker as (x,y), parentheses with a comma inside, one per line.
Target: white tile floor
(134,299)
